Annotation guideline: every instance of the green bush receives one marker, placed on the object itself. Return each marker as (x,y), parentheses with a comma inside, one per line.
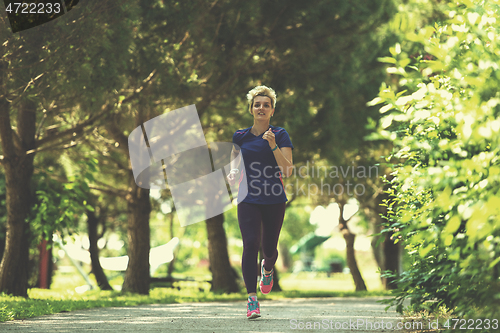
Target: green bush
(324,257)
(442,116)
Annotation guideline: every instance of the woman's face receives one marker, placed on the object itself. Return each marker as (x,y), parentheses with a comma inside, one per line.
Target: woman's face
(262,108)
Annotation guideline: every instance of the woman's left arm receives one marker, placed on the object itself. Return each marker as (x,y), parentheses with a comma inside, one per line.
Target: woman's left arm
(284,159)
(283,155)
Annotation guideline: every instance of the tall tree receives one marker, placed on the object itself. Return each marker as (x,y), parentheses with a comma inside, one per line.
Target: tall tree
(349,237)
(138,212)
(18,171)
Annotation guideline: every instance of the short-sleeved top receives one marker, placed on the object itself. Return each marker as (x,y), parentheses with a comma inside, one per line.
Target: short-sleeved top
(264,181)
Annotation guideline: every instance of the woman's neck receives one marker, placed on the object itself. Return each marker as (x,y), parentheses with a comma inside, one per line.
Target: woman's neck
(259,127)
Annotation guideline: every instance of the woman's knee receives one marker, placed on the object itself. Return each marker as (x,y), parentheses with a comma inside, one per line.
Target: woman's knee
(251,244)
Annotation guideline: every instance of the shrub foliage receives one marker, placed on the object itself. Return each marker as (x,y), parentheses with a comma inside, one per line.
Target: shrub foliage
(442,116)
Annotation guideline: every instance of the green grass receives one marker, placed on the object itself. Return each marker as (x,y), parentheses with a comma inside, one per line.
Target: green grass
(336,282)
(63,298)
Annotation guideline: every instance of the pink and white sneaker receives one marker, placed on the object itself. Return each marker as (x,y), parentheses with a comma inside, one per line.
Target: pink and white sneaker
(266,280)
(253,309)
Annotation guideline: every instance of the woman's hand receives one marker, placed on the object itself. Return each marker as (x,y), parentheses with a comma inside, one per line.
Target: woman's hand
(269,136)
(231,178)
(235,162)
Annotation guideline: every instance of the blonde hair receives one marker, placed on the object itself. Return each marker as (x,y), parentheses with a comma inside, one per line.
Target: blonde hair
(261,91)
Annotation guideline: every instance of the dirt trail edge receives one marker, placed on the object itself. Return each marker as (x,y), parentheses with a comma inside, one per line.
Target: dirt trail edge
(337,314)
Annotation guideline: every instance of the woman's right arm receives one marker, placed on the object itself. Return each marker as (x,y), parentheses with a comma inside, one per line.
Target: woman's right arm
(235,163)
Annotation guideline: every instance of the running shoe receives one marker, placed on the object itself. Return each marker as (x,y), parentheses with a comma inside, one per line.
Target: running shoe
(253,310)
(266,280)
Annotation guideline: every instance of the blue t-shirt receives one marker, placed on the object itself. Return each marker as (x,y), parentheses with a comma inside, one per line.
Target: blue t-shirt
(264,182)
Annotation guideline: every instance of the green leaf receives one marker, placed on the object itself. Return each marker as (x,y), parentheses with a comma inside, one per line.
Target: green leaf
(452,225)
(424,250)
(388,60)
(448,240)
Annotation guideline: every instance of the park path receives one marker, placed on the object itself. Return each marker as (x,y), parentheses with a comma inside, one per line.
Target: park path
(336,314)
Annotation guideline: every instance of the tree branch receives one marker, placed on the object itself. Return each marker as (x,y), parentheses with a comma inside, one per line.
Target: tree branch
(105,110)
(77,128)
(117,135)
(54,147)
(111,126)
(113,191)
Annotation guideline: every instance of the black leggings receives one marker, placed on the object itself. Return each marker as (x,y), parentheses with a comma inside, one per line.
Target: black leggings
(251,217)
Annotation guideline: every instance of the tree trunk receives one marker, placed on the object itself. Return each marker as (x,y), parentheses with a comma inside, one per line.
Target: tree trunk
(285,257)
(137,275)
(392,255)
(351,259)
(350,255)
(276,280)
(92,224)
(377,242)
(223,275)
(387,254)
(171,264)
(377,245)
(18,172)
(3,214)
(44,264)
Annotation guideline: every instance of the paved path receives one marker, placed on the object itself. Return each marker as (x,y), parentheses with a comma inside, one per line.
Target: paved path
(336,314)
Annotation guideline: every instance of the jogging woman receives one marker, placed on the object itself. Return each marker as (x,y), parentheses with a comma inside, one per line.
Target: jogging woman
(267,155)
